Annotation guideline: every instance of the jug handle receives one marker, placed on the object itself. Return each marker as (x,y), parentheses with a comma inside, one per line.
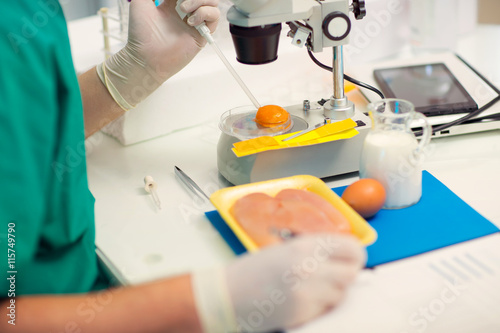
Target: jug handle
(426,132)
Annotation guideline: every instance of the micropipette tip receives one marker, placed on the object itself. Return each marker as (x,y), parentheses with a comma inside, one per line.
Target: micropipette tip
(150,187)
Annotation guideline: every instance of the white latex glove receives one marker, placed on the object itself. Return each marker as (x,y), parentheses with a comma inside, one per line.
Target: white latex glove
(159,45)
(279,287)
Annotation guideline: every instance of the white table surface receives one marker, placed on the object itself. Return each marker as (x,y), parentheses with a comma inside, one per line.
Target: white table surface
(144,243)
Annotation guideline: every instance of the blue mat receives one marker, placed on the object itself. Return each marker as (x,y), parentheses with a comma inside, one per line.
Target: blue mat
(439,219)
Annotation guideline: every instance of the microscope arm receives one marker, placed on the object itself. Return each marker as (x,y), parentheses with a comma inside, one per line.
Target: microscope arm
(326,24)
(247,13)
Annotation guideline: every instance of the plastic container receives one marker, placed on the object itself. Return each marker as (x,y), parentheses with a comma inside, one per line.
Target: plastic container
(225,198)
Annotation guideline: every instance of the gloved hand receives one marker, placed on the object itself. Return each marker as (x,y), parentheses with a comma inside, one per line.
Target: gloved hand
(159,45)
(279,287)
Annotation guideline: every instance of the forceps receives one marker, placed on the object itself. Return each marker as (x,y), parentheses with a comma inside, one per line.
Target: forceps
(310,129)
(190,183)
(283,233)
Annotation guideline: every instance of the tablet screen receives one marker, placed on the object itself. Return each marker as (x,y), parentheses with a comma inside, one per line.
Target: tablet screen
(432,88)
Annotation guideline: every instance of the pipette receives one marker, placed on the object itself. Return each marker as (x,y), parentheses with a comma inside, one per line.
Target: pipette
(150,187)
(205,33)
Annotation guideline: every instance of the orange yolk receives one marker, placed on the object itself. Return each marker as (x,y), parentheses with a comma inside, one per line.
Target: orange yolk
(271,115)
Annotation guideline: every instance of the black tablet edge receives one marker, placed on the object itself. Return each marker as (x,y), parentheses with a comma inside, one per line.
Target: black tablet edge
(436,110)
(492,86)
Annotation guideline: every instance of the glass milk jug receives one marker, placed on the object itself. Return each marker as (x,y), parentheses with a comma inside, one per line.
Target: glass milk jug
(391,153)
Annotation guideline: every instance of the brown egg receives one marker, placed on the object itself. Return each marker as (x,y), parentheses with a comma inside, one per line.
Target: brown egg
(366,196)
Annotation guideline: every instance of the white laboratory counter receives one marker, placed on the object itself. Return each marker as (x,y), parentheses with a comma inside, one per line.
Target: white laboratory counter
(143,243)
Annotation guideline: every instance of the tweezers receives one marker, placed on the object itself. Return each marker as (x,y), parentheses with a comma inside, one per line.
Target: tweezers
(190,183)
(283,233)
(307,130)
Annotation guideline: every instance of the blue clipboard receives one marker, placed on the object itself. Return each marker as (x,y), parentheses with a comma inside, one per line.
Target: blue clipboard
(439,219)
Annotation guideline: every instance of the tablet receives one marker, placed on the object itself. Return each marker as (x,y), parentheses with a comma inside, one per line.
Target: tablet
(432,88)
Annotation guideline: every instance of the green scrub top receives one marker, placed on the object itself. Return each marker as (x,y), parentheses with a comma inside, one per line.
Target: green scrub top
(46,208)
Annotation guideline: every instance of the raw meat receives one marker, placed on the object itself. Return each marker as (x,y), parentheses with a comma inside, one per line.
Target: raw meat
(299,211)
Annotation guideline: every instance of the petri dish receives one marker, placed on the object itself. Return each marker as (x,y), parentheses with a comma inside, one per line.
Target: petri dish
(240,122)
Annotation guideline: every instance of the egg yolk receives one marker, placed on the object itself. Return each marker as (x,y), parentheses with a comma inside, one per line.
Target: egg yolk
(271,115)
(366,196)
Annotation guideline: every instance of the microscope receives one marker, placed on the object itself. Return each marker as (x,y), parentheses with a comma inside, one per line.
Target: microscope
(255,26)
